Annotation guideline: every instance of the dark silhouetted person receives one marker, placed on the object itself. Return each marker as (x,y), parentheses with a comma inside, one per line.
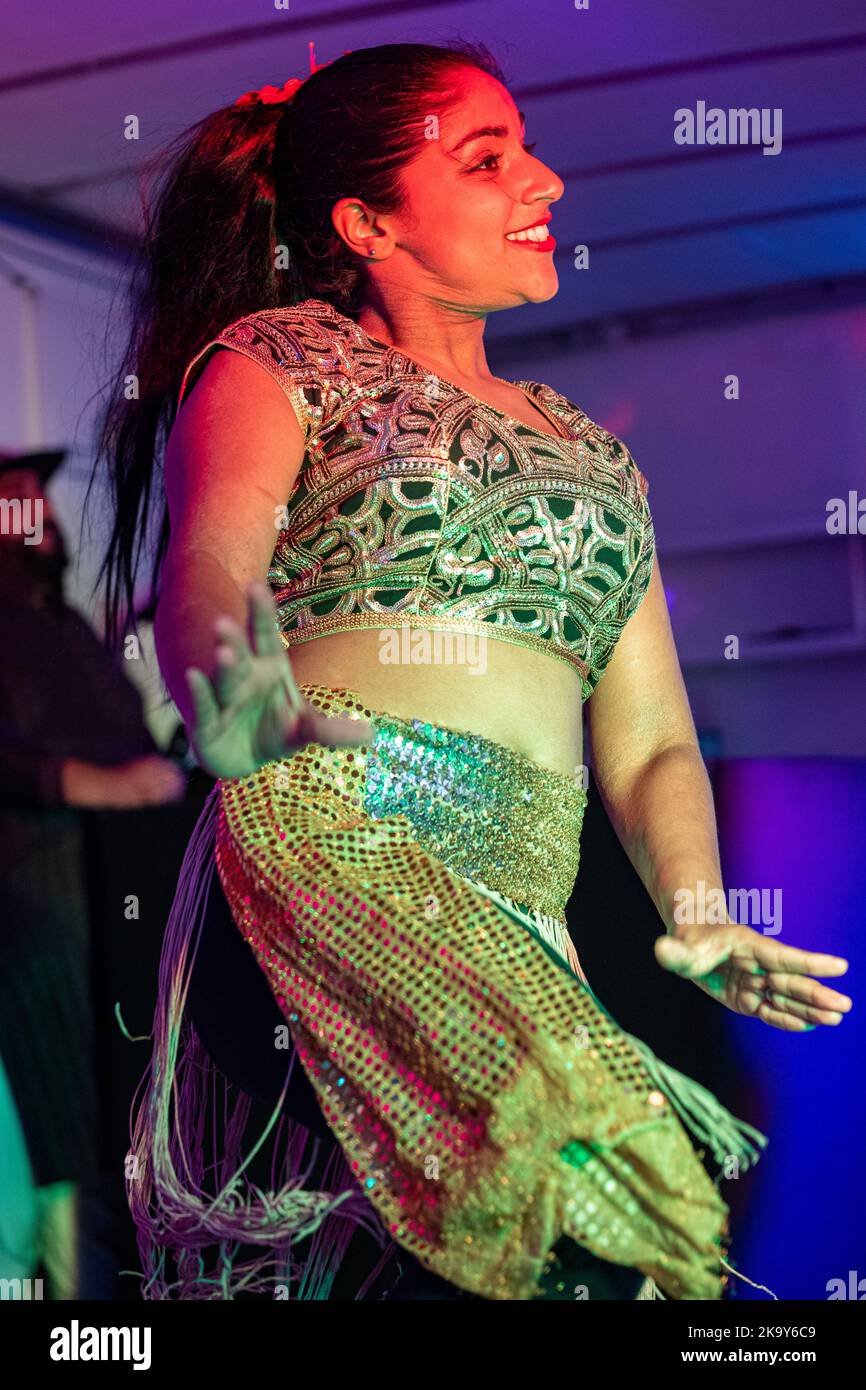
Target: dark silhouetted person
(72,736)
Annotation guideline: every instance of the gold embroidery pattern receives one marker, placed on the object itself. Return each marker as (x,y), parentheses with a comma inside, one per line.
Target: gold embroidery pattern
(419,505)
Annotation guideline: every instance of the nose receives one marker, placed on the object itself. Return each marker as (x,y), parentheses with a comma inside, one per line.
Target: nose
(554,186)
(542,184)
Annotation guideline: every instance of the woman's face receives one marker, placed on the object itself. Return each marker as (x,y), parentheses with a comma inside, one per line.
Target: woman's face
(463,197)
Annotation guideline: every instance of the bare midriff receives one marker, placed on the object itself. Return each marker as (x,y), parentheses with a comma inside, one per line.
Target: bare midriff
(526,700)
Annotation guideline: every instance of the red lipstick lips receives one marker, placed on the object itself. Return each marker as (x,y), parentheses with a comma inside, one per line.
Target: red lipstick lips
(545,245)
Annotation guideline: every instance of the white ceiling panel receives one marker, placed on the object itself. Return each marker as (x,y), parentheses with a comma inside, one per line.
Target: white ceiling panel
(665,224)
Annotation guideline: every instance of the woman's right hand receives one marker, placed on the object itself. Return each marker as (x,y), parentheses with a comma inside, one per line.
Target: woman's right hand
(253,712)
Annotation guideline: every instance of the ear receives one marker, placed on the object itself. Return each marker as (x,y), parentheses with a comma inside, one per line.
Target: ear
(361,229)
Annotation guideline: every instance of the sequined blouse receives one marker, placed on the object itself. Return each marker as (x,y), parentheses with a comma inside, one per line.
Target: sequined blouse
(417,504)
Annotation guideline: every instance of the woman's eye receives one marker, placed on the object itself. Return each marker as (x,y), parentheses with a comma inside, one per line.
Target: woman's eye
(486,160)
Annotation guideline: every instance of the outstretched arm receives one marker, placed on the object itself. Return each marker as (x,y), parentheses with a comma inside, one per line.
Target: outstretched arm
(656,790)
(230,465)
(647,761)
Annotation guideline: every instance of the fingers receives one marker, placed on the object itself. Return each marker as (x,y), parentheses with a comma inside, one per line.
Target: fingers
(204,703)
(265,636)
(233,658)
(793,1002)
(774,1003)
(752,952)
(749,1001)
(772,980)
(780,1018)
(807,991)
(264,627)
(774,955)
(330,730)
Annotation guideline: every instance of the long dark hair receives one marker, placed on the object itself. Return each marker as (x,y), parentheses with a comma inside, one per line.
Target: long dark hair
(239,184)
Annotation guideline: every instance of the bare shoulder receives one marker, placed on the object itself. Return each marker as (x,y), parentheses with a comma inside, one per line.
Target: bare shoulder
(234,403)
(231,462)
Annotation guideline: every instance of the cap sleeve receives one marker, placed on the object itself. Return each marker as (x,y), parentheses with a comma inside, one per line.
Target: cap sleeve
(636,489)
(291,346)
(641,575)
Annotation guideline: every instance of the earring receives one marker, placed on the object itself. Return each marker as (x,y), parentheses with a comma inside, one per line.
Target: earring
(372,250)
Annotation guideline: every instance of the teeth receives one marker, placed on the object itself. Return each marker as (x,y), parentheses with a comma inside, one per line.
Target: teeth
(529,234)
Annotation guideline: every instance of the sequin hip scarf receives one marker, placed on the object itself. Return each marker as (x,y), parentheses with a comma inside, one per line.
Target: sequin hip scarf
(505,824)
(406,901)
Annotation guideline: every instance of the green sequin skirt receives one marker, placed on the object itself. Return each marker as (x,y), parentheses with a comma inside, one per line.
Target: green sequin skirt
(405,901)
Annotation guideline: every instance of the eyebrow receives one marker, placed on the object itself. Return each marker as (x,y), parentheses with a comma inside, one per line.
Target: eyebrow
(500,132)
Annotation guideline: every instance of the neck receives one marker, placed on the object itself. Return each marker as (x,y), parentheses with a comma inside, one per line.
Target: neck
(447,337)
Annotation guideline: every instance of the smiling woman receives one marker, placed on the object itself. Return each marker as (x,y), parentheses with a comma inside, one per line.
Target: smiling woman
(395,843)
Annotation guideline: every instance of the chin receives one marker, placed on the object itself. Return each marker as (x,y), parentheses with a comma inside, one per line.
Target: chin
(543,291)
(536,294)
(550,293)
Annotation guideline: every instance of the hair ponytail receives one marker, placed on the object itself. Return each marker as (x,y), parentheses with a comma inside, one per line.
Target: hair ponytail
(246,185)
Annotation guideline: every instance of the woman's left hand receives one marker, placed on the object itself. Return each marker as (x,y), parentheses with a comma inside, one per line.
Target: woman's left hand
(757,976)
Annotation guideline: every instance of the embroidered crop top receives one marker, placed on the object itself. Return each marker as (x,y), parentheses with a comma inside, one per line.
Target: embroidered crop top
(418,504)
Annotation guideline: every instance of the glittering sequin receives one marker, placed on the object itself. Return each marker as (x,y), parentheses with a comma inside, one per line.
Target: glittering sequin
(418,504)
(487,812)
(485,1101)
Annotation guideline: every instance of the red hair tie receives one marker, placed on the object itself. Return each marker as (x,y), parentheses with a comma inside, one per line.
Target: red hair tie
(274,96)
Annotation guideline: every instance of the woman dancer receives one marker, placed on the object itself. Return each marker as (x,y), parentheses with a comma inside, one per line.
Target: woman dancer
(456,563)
